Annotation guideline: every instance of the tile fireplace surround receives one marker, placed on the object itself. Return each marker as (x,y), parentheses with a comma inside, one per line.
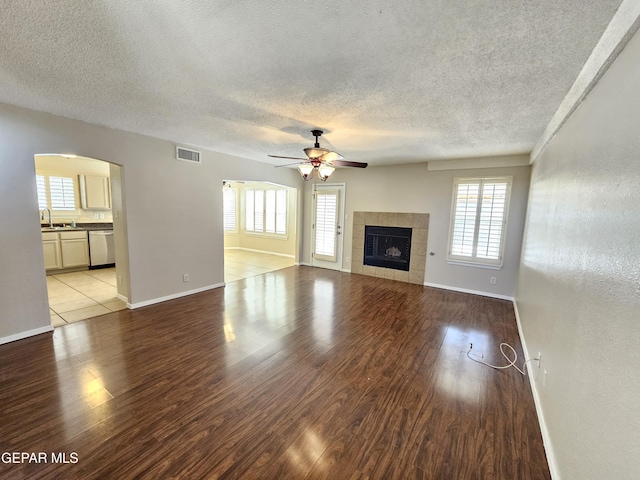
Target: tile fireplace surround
(418,222)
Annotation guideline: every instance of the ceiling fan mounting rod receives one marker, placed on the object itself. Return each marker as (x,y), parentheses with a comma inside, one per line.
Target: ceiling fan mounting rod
(316,133)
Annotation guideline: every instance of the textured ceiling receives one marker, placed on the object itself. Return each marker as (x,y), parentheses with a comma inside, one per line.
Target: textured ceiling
(389,82)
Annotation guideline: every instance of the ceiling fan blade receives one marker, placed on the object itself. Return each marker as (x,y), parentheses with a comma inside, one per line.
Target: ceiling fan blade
(330,157)
(290,158)
(346,163)
(287,164)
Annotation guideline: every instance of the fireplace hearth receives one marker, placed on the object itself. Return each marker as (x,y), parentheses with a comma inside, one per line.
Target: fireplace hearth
(387,247)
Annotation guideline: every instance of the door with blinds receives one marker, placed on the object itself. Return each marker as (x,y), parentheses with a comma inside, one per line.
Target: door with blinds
(328,208)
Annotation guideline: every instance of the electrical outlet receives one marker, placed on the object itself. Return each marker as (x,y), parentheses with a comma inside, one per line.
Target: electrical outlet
(185,277)
(539,359)
(102,216)
(492,280)
(119,279)
(544,378)
(348,259)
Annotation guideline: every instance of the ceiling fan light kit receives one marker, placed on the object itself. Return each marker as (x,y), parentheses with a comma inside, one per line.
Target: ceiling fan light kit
(325,171)
(320,160)
(314,152)
(305,169)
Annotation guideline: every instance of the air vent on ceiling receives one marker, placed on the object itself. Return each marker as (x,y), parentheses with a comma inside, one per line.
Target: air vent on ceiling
(187,155)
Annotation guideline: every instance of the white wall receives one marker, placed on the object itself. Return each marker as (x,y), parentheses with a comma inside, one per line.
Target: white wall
(174,211)
(578,294)
(414,188)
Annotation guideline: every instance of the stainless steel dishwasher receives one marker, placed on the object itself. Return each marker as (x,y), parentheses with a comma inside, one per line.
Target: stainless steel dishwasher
(101,249)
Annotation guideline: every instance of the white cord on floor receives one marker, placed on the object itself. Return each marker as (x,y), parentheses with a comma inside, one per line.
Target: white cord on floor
(512,363)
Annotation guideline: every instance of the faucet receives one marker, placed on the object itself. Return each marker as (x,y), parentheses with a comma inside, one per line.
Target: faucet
(42,217)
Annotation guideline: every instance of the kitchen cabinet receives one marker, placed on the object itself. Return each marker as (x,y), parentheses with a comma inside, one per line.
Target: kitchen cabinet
(51,248)
(65,249)
(74,247)
(95,193)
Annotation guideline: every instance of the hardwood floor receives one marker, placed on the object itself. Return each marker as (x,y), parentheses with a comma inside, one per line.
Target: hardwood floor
(301,373)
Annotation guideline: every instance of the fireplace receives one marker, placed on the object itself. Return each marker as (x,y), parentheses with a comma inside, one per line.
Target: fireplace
(387,247)
(418,223)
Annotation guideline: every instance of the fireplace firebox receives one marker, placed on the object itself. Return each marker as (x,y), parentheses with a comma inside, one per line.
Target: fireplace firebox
(388,247)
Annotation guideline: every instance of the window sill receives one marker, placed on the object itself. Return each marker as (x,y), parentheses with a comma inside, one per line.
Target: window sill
(474,264)
(267,235)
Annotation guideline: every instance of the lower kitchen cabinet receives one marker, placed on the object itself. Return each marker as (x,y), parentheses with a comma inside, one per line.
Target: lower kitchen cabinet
(65,249)
(74,247)
(51,248)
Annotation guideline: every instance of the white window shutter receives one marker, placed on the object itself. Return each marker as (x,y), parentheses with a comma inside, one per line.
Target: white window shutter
(270,211)
(492,216)
(266,211)
(281,212)
(258,211)
(249,208)
(42,192)
(62,193)
(464,224)
(229,210)
(326,225)
(478,220)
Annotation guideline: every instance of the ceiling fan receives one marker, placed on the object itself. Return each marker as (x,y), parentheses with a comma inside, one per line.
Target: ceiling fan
(320,160)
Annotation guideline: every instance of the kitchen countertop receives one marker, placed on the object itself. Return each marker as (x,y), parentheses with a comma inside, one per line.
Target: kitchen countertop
(80,227)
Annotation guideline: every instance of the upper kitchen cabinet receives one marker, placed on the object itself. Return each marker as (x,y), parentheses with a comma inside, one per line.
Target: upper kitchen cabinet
(95,193)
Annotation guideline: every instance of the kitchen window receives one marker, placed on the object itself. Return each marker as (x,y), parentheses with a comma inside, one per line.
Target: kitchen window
(478,221)
(57,193)
(266,211)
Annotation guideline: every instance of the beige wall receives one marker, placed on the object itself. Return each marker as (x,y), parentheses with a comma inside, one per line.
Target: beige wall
(118,204)
(578,292)
(279,245)
(55,164)
(173,211)
(415,189)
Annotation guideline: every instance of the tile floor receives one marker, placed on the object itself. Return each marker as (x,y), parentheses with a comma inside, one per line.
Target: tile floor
(239,264)
(81,295)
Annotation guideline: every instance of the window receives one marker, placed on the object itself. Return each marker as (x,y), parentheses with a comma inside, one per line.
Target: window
(58,193)
(266,211)
(229,214)
(41,184)
(326,221)
(478,220)
(62,193)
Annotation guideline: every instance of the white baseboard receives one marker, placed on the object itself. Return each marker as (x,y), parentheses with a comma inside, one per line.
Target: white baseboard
(343,270)
(27,334)
(260,251)
(546,438)
(122,297)
(465,290)
(153,301)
